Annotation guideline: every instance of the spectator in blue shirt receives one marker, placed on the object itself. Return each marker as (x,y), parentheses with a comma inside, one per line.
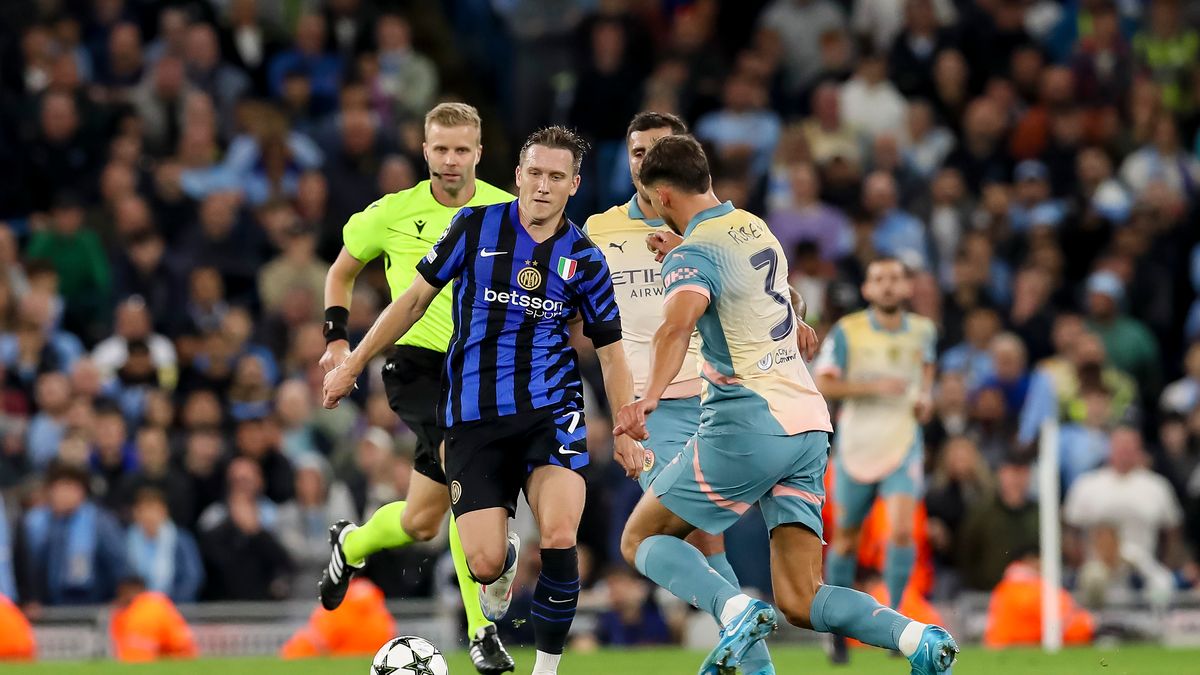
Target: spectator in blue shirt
(164,555)
(36,346)
(744,130)
(898,233)
(972,357)
(72,551)
(324,70)
(46,429)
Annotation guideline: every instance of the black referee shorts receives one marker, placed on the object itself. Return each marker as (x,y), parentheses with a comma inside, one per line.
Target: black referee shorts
(488,461)
(412,380)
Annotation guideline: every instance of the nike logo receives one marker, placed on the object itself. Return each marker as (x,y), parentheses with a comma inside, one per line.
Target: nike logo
(490,254)
(620,247)
(560,602)
(562,450)
(876,612)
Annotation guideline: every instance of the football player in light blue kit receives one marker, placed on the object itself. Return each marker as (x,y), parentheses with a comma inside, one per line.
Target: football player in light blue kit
(880,364)
(621,234)
(763,436)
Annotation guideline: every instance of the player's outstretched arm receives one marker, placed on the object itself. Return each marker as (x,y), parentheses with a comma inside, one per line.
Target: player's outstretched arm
(392,324)
(669,347)
(339,289)
(618,383)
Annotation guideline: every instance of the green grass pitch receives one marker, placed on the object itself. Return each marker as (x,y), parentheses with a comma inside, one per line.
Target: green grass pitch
(1141,660)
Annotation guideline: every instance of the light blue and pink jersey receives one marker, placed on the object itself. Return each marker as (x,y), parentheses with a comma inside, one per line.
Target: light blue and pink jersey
(764,427)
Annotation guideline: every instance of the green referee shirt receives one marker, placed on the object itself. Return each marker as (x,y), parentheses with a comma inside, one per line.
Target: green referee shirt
(402,227)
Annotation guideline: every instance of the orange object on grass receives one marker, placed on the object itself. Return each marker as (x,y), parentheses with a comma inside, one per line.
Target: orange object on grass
(358,627)
(16,635)
(150,628)
(1015,611)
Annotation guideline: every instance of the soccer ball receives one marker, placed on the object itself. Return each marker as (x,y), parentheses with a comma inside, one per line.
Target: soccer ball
(409,655)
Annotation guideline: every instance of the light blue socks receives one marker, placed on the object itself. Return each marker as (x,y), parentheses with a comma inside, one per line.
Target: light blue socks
(896,571)
(678,567)
(847,612)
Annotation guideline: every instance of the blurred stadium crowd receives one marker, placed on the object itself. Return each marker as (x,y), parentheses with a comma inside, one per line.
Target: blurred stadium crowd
(176,175)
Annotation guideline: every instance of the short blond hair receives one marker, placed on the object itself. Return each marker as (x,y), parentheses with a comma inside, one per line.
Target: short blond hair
(453,114)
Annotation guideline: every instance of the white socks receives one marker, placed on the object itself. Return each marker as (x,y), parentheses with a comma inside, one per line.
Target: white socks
(734,606)
(546,664)
(910,637)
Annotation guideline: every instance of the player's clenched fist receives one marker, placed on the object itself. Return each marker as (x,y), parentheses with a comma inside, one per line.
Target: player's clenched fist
(339,382)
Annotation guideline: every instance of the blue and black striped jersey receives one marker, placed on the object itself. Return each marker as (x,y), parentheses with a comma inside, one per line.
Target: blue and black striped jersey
(513,298)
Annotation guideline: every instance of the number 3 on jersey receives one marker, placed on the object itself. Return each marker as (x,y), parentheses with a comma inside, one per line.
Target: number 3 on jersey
(769,259)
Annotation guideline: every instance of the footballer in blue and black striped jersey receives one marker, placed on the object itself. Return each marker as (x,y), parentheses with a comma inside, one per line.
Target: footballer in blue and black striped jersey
(513,298)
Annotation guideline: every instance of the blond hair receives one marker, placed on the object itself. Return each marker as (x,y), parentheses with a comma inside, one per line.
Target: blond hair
(453,114)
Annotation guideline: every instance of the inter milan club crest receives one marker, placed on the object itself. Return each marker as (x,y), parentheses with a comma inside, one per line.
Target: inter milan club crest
(566,268)
(529,278)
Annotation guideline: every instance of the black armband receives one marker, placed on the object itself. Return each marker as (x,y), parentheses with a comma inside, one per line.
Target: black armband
(336,319)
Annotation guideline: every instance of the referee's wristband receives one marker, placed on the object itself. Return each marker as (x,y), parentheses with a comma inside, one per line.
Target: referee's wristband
(336,319)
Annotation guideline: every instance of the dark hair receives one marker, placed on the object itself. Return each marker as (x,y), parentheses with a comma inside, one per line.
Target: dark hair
(649,119)
(60,471)
(884,259)
(149,494)
(679,161)
(558,137)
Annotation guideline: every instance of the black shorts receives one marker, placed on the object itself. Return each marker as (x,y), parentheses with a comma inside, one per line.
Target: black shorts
(412,379)
(488,461)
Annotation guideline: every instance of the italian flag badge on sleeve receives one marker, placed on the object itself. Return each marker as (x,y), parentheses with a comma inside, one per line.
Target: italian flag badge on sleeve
(566,268)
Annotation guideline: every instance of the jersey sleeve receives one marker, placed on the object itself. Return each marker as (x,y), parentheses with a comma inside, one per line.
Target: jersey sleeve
(831,360)
(362,234)
(598,302)
(689,269)
(446,260)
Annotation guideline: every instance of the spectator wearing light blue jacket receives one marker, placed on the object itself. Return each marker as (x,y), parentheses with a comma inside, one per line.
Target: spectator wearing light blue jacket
(163,555)
(71,550)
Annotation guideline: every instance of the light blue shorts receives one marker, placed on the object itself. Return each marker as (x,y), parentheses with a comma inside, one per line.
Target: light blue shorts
(854,500)
(718,478)
(671,426)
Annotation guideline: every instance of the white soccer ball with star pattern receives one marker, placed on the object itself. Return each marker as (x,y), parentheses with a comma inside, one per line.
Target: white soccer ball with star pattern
(409,655)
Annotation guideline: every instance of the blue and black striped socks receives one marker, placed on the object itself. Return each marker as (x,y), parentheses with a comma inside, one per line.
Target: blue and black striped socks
(554,599)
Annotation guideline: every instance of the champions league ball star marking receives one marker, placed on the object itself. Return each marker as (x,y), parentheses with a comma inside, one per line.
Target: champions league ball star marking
(409,655)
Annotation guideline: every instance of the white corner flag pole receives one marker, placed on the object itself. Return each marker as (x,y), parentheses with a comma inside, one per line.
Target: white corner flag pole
(1050,535)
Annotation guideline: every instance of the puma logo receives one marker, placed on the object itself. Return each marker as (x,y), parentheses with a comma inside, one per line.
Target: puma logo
(620,247)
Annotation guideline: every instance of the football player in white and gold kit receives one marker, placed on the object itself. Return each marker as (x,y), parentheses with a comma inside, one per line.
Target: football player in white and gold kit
(621,233)
(879,363)
(764,431)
